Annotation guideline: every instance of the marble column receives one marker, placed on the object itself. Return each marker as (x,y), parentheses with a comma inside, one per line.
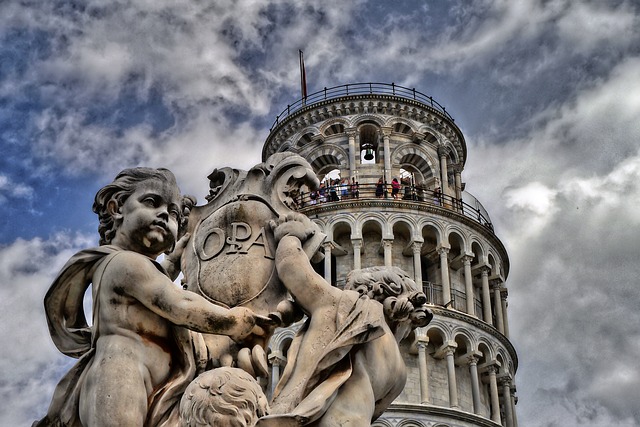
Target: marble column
(416,248)
(277,360)
(506,400)
(451,377)
(513,405)
(497,303)
(493,390)
(351,133)
(486,296)
(457,170)
(387,245)
(468,284)
(475,383)
(386,133)
(503,297)
(444,274)
(444,180)
(357,248)
(327,261)
(424,371)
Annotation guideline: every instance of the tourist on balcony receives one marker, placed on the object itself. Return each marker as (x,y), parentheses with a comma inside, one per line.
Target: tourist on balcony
(355,189)
(344,188)
(380,188)
(395,188)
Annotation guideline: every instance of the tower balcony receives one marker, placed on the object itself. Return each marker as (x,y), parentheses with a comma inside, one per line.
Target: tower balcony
(410,197)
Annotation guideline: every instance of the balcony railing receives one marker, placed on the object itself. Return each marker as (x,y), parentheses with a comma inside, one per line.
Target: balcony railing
(360,89)
(458,301)
(408,193)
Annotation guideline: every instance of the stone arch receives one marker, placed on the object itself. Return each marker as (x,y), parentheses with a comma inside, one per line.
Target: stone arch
(372,217)
(338,220)
(414,158)
(477,249)
(456,241)
(430,230)
(279,340)
(368,118)
(333,127)
(409,220)
(327,157)
(487,350)
(380,422)
(409,423)
(372,230)
(492,260)
(402,126)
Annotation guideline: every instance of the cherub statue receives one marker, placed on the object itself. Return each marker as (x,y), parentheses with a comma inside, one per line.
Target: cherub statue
(138,356)
(228,397)
(344,365)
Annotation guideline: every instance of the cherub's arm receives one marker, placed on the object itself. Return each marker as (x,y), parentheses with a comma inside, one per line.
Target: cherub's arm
(171,262)
(308,288)
(159,294)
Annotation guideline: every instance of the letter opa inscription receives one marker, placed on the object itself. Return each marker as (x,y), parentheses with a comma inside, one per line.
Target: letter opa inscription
(241,239)
(231,259)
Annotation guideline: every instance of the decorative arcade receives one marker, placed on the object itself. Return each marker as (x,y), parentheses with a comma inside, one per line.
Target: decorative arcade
(391,163)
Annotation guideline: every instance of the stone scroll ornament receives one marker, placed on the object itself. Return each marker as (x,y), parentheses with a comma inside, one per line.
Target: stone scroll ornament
(230,259)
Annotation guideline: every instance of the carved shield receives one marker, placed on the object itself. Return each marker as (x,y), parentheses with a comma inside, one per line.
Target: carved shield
(233,256)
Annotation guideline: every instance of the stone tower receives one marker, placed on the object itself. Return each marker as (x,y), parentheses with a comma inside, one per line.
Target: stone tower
(461,366)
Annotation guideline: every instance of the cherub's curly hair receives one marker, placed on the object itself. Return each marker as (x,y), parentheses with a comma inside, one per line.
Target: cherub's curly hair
(121,188)
(394,289)
(223,397)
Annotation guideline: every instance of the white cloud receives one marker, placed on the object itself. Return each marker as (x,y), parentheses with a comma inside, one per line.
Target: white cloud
(30,365)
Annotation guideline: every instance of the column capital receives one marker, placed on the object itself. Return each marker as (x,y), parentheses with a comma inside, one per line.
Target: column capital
(277,358)
(504,380)
(495,284)
(387,243)
(356,242)
(446,349)
(485,270)
(328,245)
(457,168)
(416,247)
(470,358)
(504,293)
(351,132)
(466,259)
(442,151)
(386,131)
(443,250)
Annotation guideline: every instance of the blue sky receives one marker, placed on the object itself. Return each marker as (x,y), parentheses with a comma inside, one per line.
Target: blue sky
(546,93)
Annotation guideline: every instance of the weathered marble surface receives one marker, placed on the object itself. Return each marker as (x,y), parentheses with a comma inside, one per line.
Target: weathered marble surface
(158,355)
(344,365)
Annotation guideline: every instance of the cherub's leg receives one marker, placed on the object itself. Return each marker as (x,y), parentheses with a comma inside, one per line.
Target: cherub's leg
(113,394)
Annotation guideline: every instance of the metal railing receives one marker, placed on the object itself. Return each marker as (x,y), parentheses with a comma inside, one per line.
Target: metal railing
(360,89)
(458,301)
(409,193)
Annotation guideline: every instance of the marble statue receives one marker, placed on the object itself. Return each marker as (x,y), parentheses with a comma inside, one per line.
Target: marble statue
(139,355)
(230,259)
(158,355)
(344,365)
(224,396)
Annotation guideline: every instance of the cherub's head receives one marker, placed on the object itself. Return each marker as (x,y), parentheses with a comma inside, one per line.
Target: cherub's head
(223,397)
(152,190)
(403,302)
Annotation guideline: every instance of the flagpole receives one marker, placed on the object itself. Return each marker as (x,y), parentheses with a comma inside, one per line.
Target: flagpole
(303,79)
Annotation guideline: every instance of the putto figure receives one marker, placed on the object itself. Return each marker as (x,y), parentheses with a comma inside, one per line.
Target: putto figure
(224,396)
(139,355)
(344,365)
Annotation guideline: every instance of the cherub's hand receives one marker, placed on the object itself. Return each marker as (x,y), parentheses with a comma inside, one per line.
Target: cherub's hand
(246,323)
(293,224)
(171,262)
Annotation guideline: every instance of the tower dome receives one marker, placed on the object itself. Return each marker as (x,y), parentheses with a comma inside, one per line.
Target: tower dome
(391,161)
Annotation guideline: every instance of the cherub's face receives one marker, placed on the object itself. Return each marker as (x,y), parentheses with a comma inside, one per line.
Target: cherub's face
(149,218)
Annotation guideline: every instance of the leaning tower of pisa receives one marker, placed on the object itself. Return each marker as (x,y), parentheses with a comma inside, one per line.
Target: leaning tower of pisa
(359,138)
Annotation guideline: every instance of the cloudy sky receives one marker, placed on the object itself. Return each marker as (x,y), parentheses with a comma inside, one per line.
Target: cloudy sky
(547,94)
